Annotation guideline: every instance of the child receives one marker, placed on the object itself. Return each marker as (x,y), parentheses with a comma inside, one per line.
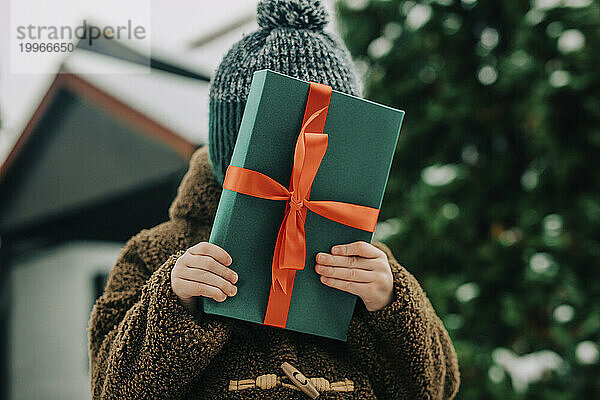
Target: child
(148,341)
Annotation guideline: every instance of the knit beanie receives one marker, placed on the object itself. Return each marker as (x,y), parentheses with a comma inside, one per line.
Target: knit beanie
(290,40)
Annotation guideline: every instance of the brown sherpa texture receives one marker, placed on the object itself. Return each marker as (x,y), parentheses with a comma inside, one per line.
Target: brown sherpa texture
(145,345)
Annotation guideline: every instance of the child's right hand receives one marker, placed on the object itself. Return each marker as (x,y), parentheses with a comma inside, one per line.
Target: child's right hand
(202,271)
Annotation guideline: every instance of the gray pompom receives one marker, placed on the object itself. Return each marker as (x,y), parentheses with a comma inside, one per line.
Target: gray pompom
(299,14)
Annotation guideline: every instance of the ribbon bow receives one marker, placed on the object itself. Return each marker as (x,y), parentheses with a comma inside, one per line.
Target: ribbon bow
(290,248)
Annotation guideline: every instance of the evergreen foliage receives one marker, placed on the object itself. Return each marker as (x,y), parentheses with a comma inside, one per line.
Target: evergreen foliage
(494,197)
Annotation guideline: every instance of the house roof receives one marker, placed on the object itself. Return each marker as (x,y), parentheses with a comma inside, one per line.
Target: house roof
(86,90)
(83,147)
(176,101)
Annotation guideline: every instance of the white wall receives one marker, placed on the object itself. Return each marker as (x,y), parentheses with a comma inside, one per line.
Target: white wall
(51,299)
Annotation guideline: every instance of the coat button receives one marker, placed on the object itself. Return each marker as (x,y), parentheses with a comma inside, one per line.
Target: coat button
(298,379)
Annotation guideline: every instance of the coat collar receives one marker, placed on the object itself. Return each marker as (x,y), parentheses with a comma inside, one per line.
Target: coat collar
(199,192)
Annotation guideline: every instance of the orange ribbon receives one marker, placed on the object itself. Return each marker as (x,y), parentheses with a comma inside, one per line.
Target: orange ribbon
(290,248)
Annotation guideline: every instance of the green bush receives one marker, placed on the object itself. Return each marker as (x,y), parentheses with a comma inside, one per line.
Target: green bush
(494,197)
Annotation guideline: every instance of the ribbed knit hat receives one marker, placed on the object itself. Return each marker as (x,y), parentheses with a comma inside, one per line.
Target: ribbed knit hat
(290,40)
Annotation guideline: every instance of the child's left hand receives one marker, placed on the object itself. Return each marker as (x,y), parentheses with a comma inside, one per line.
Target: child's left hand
(358,268)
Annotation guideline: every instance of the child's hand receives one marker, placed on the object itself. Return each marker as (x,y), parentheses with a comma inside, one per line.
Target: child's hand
(358,268)
(202,271)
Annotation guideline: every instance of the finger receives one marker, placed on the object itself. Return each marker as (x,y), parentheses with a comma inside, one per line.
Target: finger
(346,274)
(362,249)
(344,261)
(210,264)
(351,287)
(212,250)
(203,276)
(195,289)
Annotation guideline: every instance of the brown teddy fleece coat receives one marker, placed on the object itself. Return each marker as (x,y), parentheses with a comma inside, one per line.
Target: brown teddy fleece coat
(145,345)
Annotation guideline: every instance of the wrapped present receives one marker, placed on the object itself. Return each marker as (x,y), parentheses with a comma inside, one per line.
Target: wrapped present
(308,172)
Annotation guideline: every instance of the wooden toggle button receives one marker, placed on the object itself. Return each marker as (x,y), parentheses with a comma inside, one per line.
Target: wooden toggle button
(298,379)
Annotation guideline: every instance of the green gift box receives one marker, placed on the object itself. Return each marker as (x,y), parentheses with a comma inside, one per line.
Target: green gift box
(360,142)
